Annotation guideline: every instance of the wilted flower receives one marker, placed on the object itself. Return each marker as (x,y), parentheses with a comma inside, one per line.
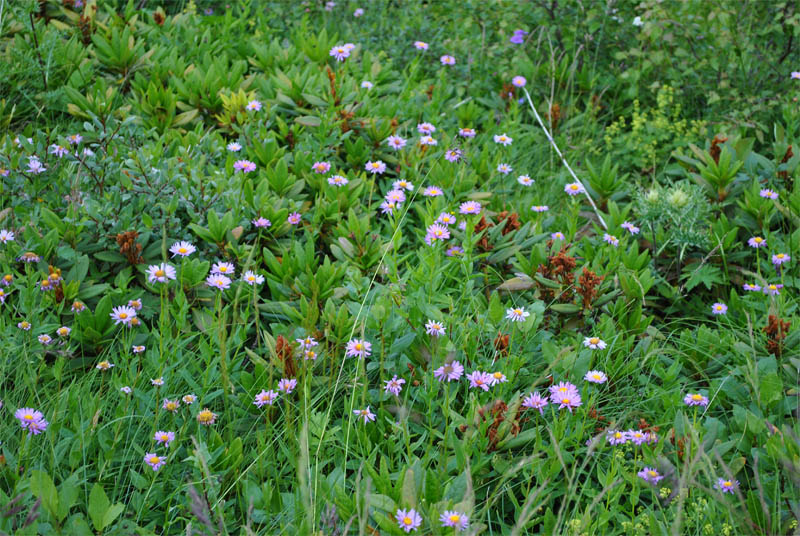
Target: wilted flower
(408,520)
(449,371)
(182,249)
(695,399)
(365,414)
(358,348)
(206,417)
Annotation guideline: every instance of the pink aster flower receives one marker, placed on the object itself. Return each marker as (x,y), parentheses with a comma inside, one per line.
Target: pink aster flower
(449,372)
(294,218)
(122,314)
(479,380)
(447,60)
(182,249)
(616,437)
(470,207)
(650,475)
(358,348)
(726,486)
(218,281)
(245,166)
(365,414)
(426,128)
(165,438)
(428,140)
(525,180)
(630,227)
(408,520)
(337,180)
(457,520)
(366,84)
(74,139)
(432,191)
(519,81)
(253,106)
(505,169)
(376,167)
(154,461)
(223,268)
(535,401)
(321,167)
(160,273)
(502,139)
(403,184)
(596,376)
(637,437)
(695,399)
(610,239)
(719,309)
(445,218)
(466,132)
(454,251)
(31,420)
(395,142)
(436,232)
(170,405)
(35,166)
(569,400)
(780,258)
(6,236)
(594,343)
(434,328)
(339,52)
(420,45)
(58,150)
(126,389)
(137,349)
(206,417)
(265,398)
(768,194)
(574,188)
(136,304)
(795,75)
(158,382)
(387,207)
(558,235)
(63,331)
(395,196)
(756,242)
(394,386)
(453,155)
(287,385)
(261,223)
(540,208)
(189,399)
(517,314)
(772,289)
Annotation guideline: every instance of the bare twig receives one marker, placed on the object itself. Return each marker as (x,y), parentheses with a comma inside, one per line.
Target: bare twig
(38,54)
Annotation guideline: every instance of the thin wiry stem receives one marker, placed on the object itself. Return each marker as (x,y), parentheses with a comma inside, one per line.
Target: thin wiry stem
(564,160)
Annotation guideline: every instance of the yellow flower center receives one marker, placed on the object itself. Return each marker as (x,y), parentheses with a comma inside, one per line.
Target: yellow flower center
(594,340)
(171,406)
(223,269)
(618,435)
(123,316)
(407,521)
(498,375)
(359,346)
(159,273)
(697,397)
(727,484)
(182,250)
(652,473)
(597,377)
(154,459)
(779,255)
(455,518)
(28,417)
(773,287)
(565,400)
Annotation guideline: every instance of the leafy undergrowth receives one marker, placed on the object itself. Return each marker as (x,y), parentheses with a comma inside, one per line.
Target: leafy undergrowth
(309,268)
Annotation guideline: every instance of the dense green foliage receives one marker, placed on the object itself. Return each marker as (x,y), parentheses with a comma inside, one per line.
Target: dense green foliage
(126,129)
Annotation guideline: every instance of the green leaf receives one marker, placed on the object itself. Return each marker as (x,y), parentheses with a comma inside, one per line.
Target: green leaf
(309,121)
(112,513)
(706,274)
(98,506)
(42,487)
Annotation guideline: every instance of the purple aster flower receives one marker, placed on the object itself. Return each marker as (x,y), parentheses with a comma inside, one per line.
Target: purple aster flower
(294,218)
(35,166)
(596,376)
(165,438)
(426,128)
(650,475)
(396,142)
(630,227)
(366,84)
(358,348)
(497,377)
(224,268)
(376,167)
(695,399)
(396,196)
(261,223)
(756,242)
(719,309)
(447,60)
(445,218)
(519,81)
(403,184)
(466,132)
(436,232)
(525,180)
(156,462)
(752,288)
(574,188)
(337,180)
(503,139)
(453,155)
(454,251)
(287,385)
(340,52)
(637,437)
(470,207)
(234,147)
(428,140)
(726,486)
(449,372)
(540,208)
(772,289)
(505,169)
(420,45)
(365,414)
(457,520)
(434,328)
(535,401)
(519,37)
(768,194)
(408,520)
(31,420)
(321,167)
(611,239)
(558,235)
(780,258)
(265,398)
(394,386)
(432,191)
(245,166)
(517,314)
(387,207)
(253,106)
(479,380)
(616,437)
